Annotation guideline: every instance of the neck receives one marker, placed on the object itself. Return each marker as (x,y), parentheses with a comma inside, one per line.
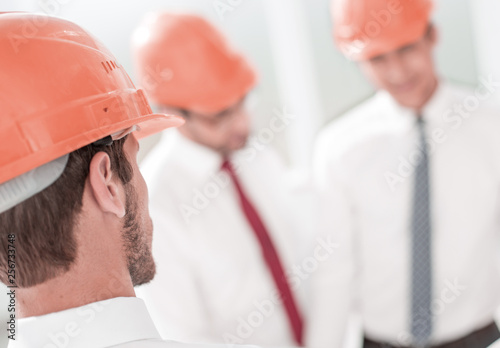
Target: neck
(432,90)
(70,291)
(97,274)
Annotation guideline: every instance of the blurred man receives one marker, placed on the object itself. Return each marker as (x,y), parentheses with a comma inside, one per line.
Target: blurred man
(409,182)
(75,228)
(226,238)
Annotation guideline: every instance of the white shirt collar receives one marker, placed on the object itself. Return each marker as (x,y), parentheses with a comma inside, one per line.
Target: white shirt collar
(440,101)
(99,324)
(196,158)
(432,112)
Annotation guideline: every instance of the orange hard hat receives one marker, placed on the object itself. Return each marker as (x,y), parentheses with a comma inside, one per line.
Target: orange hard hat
(182,61)
(364,29)
(61,89)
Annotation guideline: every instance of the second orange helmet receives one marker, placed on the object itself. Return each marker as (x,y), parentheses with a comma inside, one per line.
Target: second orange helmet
(182,61)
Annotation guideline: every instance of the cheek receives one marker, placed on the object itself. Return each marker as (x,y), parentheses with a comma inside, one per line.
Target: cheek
(214,135)
(201,130)
(141,188)
(421,63)
(144,194)
(375,73)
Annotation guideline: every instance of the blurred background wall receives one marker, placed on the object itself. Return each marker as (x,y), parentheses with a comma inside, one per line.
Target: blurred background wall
(289,42)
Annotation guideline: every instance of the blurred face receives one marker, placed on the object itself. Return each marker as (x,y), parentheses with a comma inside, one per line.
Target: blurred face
(224,132)
(407,73)
(137,232)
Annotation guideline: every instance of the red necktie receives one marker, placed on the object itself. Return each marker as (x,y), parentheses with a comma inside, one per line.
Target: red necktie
(270,256)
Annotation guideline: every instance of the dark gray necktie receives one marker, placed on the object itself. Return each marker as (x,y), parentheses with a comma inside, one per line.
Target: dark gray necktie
(421,316)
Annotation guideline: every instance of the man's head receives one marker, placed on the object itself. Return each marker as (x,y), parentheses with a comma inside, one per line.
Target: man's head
(393,42)
(185,64)
(46,225)
(407,73)
(71,192)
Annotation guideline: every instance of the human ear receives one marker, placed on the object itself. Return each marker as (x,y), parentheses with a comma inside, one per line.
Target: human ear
(105,185)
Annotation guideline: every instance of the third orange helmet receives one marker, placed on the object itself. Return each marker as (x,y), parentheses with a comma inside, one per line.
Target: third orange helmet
(364,29)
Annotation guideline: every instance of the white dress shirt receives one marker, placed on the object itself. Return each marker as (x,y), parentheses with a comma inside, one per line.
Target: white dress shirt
(212,283)
(495,344)
(364,173)
(121,322)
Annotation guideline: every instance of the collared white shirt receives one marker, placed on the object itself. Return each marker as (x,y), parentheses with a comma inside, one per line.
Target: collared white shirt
(364,168)
(119,322)
(212,283)
(495,344)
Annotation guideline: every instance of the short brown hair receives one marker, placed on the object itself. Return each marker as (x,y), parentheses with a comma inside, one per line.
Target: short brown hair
(43,224)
